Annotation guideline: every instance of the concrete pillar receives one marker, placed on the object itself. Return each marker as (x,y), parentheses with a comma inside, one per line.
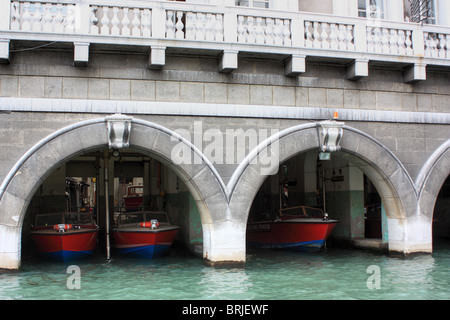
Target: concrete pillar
(4,51)
(443,13)
(5,14)
(224,243)
(345,199)
(287,5)
(10,247)
(309,178)
(410,236)
(230,27)
(384,225)
(346,8)
(394,10)
(158,22)
(146,197)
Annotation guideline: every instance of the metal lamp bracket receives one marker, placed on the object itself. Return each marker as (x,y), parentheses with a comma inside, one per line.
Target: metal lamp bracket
(119,128)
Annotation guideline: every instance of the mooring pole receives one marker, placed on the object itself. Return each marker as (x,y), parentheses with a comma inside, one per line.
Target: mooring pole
(106,165)
(324,191)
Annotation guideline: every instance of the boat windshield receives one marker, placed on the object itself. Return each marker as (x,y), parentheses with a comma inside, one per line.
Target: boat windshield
(76,218)
(135,191)
(136,217)
(310,212)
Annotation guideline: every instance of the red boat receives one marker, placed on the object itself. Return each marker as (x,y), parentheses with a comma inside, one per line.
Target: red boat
(65,236)
(133,200)
(305,228)
(144,234)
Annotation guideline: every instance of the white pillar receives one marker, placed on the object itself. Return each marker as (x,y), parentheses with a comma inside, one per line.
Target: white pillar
(287,5)
(443,12)
(5,14)
(394,10)
(345,8)
(4,50)
(158,22)
(10,244)
(224,242)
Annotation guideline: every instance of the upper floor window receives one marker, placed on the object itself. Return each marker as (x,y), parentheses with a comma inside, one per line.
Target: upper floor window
(253,3)
(374,9)
(421,11)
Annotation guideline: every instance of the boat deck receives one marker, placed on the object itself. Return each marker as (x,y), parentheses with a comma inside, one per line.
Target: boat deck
(134,228)
(56,233)
(297,220)
(307,220)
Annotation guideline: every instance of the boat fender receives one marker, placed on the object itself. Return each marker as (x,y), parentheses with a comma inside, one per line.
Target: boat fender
(62,227)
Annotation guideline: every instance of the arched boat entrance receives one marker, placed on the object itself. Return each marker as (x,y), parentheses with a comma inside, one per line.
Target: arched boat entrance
(308,187)
(82,138)
(385,171)
(136,183)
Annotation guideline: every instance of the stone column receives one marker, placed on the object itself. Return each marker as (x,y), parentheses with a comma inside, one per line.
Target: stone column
(5,13)
(345,199)
(443,15)
(394,10)
(10,247)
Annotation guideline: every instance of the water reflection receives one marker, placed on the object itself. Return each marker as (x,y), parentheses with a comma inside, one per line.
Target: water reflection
(217,284)
(405,275)
(10,283)
(268,275)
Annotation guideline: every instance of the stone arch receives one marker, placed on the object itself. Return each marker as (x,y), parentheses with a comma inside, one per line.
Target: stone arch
(431,179)
(39,161)
(389,176)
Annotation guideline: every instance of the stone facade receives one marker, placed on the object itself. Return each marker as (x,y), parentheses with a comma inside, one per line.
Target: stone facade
(395,130)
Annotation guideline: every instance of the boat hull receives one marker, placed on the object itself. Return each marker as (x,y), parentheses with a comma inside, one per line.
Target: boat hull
(295,234)
(66,246)
(144,242)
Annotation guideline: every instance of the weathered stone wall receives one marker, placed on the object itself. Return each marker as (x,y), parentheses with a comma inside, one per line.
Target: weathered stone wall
(41,92)
(44,74)
(411,143)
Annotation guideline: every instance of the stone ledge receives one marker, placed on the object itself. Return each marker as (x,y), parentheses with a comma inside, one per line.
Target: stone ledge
(370,244)
(10,104)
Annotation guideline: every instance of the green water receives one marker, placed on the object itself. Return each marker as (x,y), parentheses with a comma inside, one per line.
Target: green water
(268,275)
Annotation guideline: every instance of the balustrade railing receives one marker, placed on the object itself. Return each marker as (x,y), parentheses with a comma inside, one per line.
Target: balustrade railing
(194,25)
(43,16)
(123,21)
(324,35)
(264,30)
(184,21)
(437,45)
(389,41)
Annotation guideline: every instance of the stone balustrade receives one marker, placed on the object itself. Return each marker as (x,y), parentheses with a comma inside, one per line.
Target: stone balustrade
(334,36)
(227,29)
(437,45)
(389,41)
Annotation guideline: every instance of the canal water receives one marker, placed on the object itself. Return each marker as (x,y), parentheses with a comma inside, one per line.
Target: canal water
(332,274)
